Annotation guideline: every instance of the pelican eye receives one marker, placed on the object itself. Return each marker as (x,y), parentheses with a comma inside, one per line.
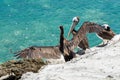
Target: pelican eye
(107,28)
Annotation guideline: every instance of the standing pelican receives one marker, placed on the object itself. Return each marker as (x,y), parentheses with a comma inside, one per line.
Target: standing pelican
(84,43)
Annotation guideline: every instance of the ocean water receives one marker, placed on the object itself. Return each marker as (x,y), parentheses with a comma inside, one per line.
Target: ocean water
(25,23)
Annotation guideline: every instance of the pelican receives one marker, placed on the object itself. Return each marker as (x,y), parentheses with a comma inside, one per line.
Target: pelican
(84,43)
(105,32)
(57,53)
(44,52)
(88,27)
(68,54)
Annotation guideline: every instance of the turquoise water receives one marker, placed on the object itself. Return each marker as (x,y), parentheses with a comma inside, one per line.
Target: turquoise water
(24,23)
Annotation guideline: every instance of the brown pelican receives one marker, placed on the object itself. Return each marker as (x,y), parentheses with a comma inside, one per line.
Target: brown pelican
(104,35)
(45,52)
(88,27)
(84,43)
(48,52)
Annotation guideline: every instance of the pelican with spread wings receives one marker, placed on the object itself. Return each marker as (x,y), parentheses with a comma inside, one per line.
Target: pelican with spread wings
(88,27)
(57,53)
(106,33)
(46,52)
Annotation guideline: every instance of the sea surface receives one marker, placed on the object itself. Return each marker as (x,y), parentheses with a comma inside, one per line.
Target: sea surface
(25,23)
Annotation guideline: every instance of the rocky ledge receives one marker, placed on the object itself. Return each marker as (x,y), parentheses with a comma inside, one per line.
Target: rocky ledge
(13,70)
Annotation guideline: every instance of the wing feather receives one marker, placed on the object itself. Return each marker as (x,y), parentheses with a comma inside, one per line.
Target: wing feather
(39,52)
(48,52)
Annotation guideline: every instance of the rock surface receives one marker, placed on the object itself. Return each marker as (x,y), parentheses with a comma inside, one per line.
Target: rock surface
(17,68)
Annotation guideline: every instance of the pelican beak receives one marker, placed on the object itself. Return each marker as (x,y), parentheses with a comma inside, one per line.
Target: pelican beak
(75,21)
(71,28)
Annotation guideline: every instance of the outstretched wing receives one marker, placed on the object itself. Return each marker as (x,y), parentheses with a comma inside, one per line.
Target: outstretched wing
(90,27)
(39,52)
(48,52)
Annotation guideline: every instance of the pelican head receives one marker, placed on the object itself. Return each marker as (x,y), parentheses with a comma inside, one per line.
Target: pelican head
(106,27)
(75,21)
(107,34)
